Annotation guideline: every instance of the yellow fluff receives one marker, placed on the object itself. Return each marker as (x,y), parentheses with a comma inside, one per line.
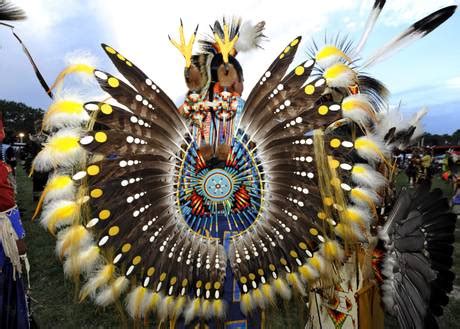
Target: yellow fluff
(246,303)
(331,250)
(73,238)
(282,288)
(135,298)
(308,273)
(81,262)
(75,68)
(60,214)
(267,290)
(99,279)
(218,308)
(258,298)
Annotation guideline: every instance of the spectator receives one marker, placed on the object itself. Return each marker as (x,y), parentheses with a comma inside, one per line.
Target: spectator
(13,305)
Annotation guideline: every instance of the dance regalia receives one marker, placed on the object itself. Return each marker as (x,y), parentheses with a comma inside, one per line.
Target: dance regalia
(182,211)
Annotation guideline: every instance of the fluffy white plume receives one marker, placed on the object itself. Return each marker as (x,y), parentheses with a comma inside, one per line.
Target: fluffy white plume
(82,262)
(364,174)
(250,36)
(371,148)
(60,150)
(111,293)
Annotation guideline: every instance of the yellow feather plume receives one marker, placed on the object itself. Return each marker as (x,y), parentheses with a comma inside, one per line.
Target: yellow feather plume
(73,238)
(75,68)
(99,279)
(135,298)
(246,303)
(218,308)
(308,273)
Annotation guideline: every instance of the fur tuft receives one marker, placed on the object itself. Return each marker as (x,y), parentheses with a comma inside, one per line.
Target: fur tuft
(340,75)
(364,174)
(112,292)
(82,262)
(250,36)
(65,113)
(308,273)
(371,148)
(97,280)
(62,149)
(58,214)
(330,55)
(296,283)
(72,239)
(358,108)
(192,310)
(134,302)
(282,288)
(332,251)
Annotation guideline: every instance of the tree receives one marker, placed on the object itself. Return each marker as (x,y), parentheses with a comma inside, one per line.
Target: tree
(19,118)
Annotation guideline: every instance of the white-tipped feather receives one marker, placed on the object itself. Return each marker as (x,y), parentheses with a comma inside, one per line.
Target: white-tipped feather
(296,283)
(358,108)
(59,187)
(72,239)
(332,250)
(250,36)
(61,150)
(134,302)
(282,289)
(192,310)
(355,214)
(58,214)
(364,197)
(97,279)
(112,292)
(372,148)
(340,75)
(364,174)
(65,113)
(82,262)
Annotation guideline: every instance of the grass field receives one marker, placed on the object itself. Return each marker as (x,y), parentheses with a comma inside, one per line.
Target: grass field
(54,297)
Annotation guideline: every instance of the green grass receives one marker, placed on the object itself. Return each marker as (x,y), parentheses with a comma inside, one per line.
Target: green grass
(54,297)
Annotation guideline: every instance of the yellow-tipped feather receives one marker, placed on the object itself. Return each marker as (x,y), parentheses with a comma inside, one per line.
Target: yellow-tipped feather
(82,262)
(218,308)
(134,304)
(75,68)
(59,214)
(339,75)
(332,250)
(329,55)
(246,304)
(73,238)
(58,186)
(99,279)
(282,288)
(308,273)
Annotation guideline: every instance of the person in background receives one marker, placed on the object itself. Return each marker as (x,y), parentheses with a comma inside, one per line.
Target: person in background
(13,304)
(426,164)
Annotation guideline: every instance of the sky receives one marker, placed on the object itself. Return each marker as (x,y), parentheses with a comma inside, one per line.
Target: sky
(426,73)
